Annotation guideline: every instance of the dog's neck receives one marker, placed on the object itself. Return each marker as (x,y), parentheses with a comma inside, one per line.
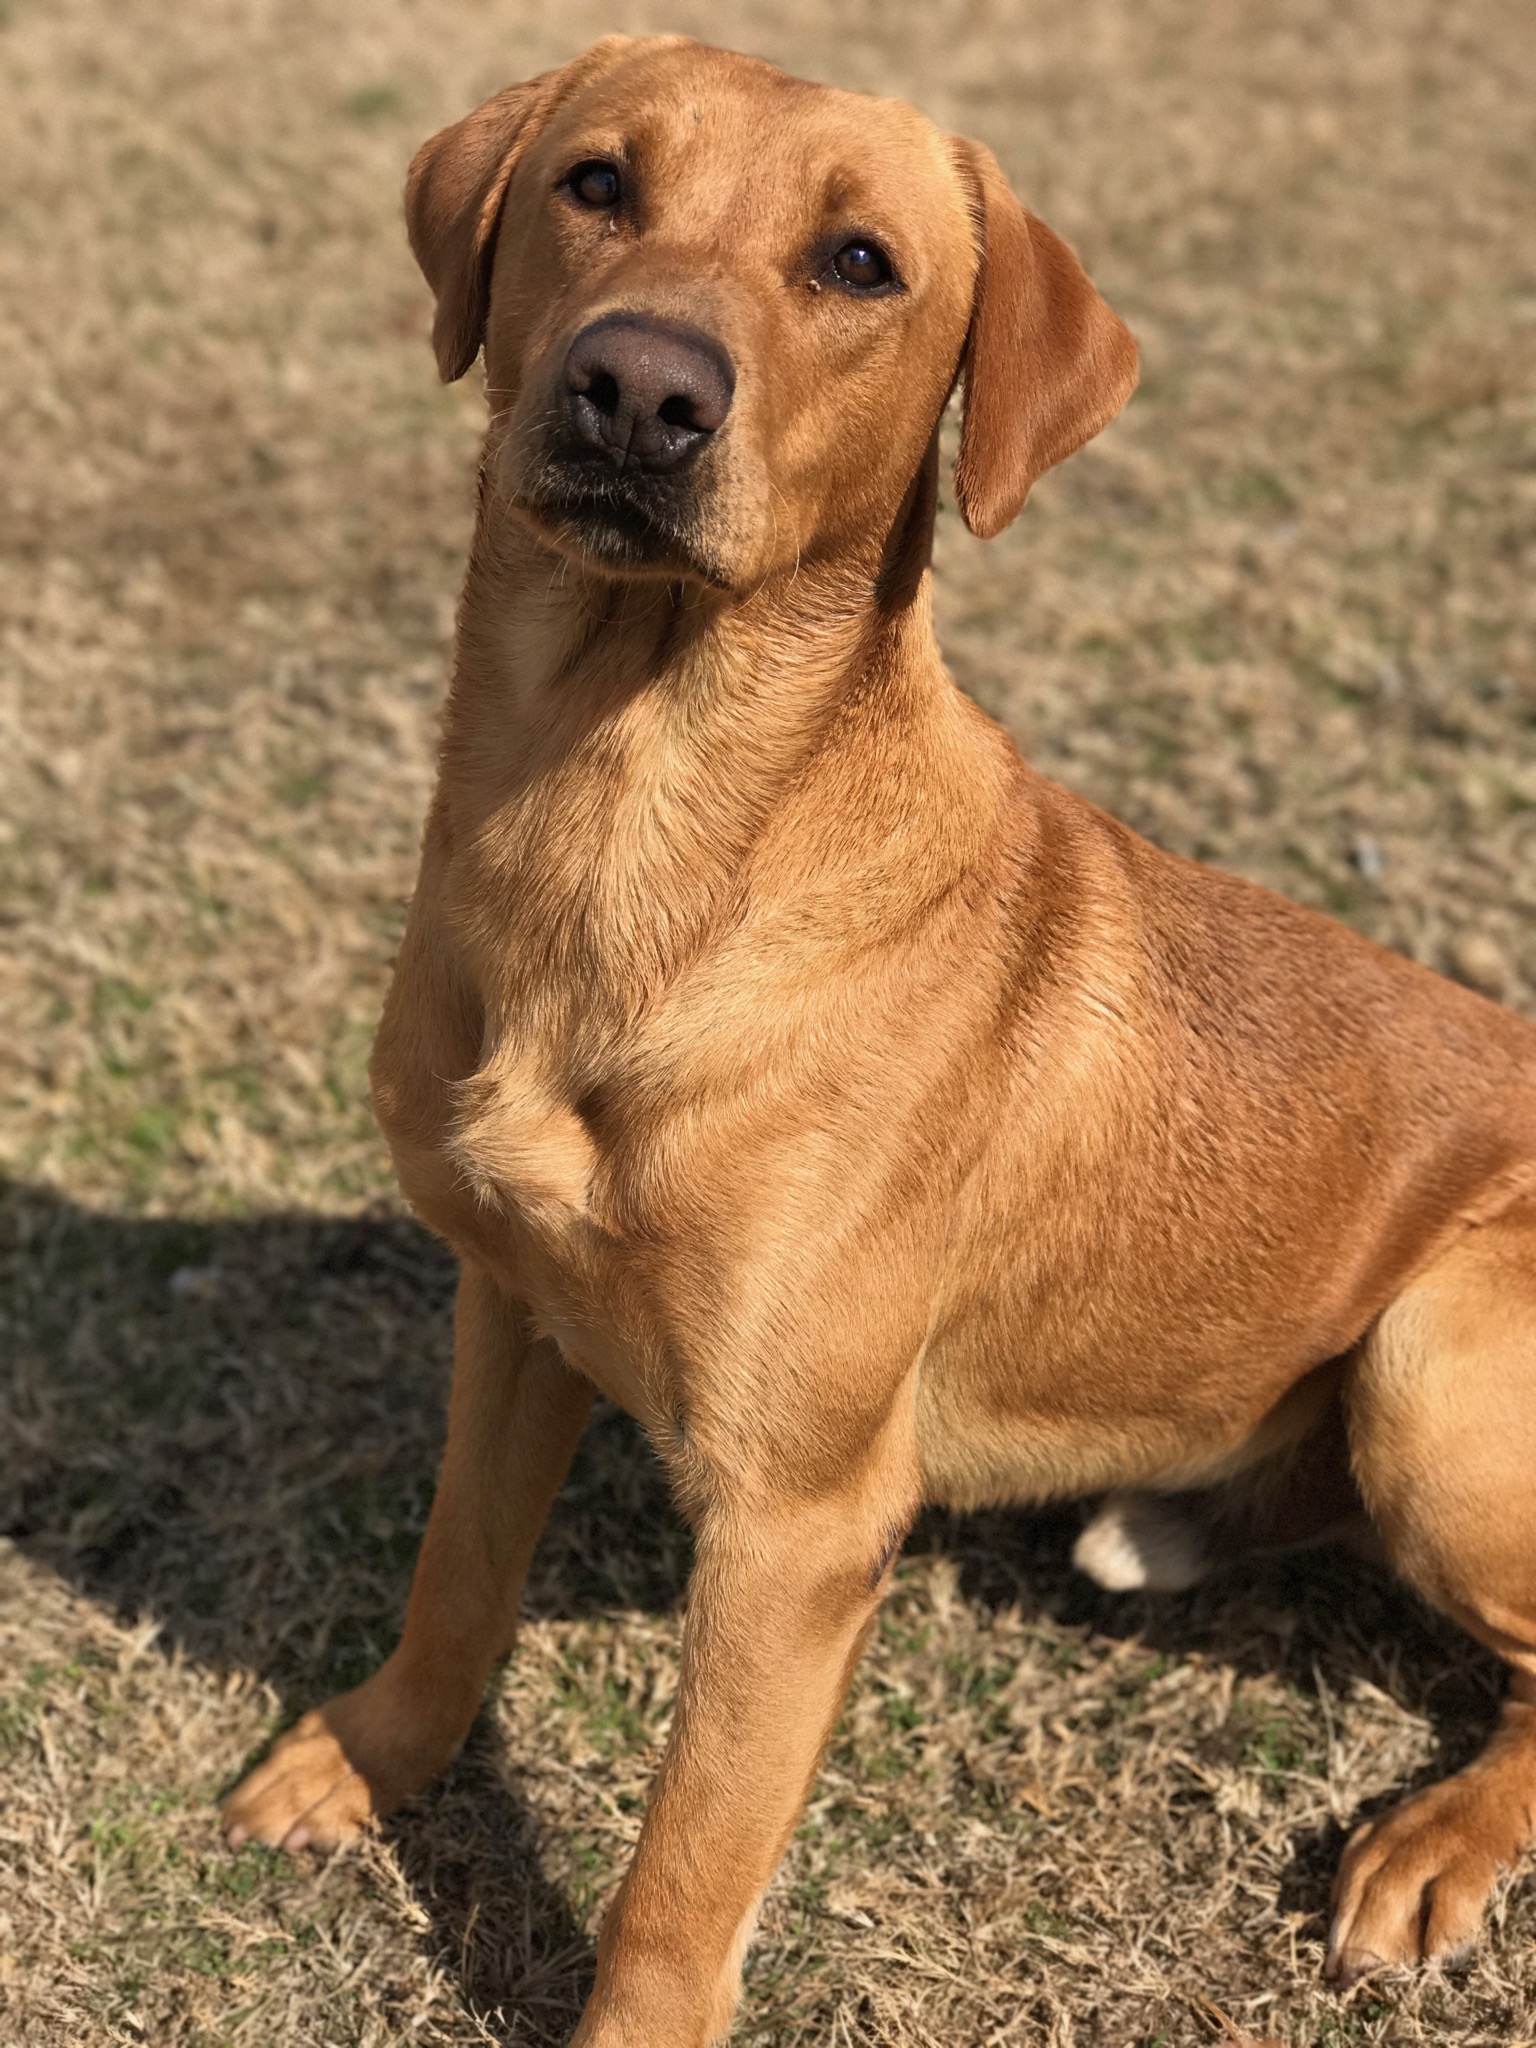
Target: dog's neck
(629,764)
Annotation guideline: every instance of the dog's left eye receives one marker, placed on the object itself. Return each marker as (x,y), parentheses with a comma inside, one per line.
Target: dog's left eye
(862,265)
(595,183)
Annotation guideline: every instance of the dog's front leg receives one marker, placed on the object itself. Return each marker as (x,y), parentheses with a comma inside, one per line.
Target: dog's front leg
(787,1579)
(514,1418)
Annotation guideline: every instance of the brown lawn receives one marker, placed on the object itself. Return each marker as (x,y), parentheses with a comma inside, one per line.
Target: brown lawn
(1283,618)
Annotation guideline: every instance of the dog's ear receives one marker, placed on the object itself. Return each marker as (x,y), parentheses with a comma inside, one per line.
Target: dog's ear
(455,190)
(1046,362)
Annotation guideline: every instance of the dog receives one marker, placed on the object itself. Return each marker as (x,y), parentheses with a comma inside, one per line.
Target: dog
(874,1120)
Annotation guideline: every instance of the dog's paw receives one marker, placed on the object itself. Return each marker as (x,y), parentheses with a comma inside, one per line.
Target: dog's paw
(1141,1540)
(306,1795)
(1412,1886)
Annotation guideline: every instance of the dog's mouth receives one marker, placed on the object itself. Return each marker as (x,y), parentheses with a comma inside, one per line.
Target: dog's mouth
(631,523)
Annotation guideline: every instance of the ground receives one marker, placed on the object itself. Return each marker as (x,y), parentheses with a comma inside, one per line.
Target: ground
(1283,617)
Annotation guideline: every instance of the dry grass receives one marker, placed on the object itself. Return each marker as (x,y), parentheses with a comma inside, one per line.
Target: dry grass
(1283,617)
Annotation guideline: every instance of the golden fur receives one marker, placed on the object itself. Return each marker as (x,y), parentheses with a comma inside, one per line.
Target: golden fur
(873,1119)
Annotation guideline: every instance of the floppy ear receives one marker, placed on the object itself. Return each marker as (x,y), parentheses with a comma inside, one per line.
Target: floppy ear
(1046,362)
(454,193)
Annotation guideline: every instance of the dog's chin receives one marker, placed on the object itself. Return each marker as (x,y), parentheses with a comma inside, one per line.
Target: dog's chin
(618,527)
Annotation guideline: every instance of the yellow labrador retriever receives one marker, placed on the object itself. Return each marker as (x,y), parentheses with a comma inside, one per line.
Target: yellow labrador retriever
(876,1121)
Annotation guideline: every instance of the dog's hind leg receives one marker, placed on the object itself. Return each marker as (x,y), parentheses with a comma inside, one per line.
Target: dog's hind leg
(1164,1542)
(514,1418)
(1443,1422)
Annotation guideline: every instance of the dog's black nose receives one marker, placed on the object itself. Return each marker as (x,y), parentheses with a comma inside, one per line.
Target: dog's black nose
(645,392)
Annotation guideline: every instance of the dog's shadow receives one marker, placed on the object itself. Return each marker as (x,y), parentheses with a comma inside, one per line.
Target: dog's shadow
(1321,1621)
(233,1427)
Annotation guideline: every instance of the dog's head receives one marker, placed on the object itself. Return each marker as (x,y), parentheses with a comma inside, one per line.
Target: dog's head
(722,310)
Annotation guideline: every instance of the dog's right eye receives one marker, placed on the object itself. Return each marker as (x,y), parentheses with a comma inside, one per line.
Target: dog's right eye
(595,183)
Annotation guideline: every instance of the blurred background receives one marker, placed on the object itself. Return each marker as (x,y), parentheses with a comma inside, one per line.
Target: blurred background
(1282,617)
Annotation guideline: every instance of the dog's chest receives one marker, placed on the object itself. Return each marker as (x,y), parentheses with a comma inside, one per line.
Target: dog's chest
(514,1173)
(520,1143)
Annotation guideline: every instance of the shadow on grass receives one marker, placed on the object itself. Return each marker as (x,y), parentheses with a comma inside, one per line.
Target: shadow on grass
(1320,1621)
(469,1851)
(235,1426)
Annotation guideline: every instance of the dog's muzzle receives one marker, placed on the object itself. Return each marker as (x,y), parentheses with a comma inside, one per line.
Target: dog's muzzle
(639,401)
(645,395)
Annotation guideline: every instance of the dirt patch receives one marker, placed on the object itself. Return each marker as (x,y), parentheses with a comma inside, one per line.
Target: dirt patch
(1283,617)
